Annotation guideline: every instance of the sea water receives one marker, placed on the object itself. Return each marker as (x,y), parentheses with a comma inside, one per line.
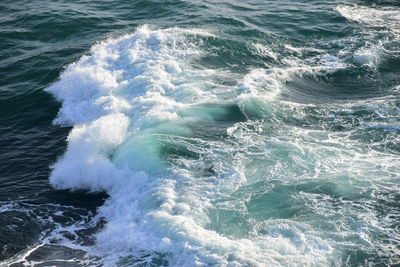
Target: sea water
(200,133)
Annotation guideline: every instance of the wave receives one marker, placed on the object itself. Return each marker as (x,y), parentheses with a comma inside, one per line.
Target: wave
(122,100)
(372,16)
(183,157)
(381,27)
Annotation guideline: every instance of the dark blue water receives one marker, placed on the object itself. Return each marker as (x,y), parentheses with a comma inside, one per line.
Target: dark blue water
(209,133)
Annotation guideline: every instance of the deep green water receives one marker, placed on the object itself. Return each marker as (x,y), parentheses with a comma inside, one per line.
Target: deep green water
(209,133)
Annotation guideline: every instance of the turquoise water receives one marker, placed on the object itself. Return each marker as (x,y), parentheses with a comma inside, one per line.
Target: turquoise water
(199,133)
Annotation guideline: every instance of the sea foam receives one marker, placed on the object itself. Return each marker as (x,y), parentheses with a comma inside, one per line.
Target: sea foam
(122,100)
(373,21)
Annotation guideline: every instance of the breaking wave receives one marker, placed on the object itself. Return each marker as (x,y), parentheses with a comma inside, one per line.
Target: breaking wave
(202,173)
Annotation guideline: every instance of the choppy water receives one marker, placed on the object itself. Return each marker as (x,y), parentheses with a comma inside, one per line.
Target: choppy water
(209,133)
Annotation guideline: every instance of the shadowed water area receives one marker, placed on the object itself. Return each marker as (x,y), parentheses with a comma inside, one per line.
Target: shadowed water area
(209,133)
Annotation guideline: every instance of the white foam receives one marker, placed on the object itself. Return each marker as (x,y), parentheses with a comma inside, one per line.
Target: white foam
(53,239)
(259,89)
(377,17)
(263,50)
(381,26)
(121,100)
(368,55)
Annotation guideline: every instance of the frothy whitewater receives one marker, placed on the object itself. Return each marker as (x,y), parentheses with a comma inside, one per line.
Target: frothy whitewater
(142,113)
(208,166)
